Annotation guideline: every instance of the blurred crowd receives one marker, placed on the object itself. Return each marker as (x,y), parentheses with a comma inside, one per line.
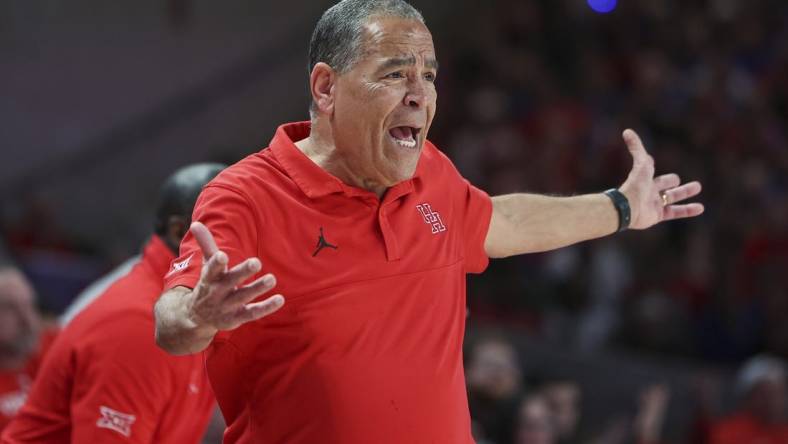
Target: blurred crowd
(533,97)
(508,406)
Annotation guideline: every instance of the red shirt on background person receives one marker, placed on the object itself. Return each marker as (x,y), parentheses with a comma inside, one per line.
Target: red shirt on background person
(762,416)
(104,379)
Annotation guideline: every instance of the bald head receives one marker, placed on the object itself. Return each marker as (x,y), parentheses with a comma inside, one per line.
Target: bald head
(177,198)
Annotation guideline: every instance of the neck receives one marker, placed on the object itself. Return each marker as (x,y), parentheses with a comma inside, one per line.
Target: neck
(320,148)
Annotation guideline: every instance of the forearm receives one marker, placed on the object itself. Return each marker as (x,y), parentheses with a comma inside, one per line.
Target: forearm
(176,333)
(529,223)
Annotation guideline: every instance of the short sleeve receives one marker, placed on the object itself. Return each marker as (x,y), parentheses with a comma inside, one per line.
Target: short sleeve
(228,214)
(473,208)
(122,386)
(476,208)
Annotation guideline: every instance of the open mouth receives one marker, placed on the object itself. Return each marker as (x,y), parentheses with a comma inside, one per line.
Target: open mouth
(405,136)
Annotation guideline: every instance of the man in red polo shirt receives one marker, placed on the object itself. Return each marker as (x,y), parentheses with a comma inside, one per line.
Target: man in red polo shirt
(104,379)
(370,231)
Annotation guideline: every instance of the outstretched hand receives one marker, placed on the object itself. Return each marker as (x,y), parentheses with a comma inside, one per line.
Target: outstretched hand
(218,301)
(655,199)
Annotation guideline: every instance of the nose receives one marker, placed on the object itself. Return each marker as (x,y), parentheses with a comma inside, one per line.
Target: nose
(416,96)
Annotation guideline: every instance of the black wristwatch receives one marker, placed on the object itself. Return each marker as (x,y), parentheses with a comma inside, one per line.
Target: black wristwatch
(622,206)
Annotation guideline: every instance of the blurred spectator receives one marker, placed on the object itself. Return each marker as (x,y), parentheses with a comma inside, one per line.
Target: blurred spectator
(535,423)
(538,109)
(22,343)
(645,426)
(762,414)
(652,407)
(494,384)
(563,400)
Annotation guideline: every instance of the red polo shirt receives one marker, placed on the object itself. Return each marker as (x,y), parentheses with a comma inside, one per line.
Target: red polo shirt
(368,347)
(105,380)
(743,428)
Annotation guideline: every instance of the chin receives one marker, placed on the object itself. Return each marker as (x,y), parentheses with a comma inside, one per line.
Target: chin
(403,168)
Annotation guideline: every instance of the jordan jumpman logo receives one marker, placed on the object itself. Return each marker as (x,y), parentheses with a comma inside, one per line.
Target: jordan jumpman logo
(321,243)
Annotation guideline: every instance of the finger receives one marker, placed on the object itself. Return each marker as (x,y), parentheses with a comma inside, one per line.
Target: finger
(636,148)
(257,310)
(667,181)
(252,291)
(215,268)
(241,272)
(683,192)
(683,211)
(204,239)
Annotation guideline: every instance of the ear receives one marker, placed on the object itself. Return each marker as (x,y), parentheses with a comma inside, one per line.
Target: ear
(322,82)
(177,226)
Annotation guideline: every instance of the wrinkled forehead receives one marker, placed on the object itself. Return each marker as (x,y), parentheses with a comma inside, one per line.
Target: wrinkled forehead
(386,37)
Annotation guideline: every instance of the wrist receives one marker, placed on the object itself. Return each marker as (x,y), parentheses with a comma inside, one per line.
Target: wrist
(621,205)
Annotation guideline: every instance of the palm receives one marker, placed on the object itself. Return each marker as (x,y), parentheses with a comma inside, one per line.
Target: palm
(645,192)
(220,299)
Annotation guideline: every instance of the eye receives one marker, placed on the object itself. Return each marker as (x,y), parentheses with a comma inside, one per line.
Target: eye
(395,75)
(430,77)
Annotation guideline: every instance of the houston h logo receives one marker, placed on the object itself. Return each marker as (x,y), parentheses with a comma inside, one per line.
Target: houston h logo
(431,218)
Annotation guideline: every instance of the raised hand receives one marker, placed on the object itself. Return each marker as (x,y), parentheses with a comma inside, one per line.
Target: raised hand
(655,199)
(218,301)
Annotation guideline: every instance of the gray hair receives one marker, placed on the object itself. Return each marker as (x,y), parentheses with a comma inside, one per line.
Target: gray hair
(337,37)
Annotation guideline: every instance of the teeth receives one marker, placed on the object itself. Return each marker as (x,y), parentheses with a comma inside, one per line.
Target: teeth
(406,143)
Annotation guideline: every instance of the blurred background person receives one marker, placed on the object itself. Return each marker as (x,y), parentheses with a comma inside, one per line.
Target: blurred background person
(563,398)
(535,422)
(642,424)
(650,419)
(494,382)
(23,340)
(761,415)
(105,380)
(96,289)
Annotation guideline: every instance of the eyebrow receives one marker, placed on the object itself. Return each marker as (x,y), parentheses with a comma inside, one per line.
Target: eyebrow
(395,62)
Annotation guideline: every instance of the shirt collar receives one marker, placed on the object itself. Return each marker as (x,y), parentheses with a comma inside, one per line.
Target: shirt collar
(157,256)
(313,180)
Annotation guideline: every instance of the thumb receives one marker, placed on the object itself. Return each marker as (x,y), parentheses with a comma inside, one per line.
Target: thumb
(636,148)
(204,239)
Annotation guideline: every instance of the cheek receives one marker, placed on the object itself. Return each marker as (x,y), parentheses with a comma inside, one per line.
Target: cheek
(431,105)
(364,106)
(380,98)
(9,325)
